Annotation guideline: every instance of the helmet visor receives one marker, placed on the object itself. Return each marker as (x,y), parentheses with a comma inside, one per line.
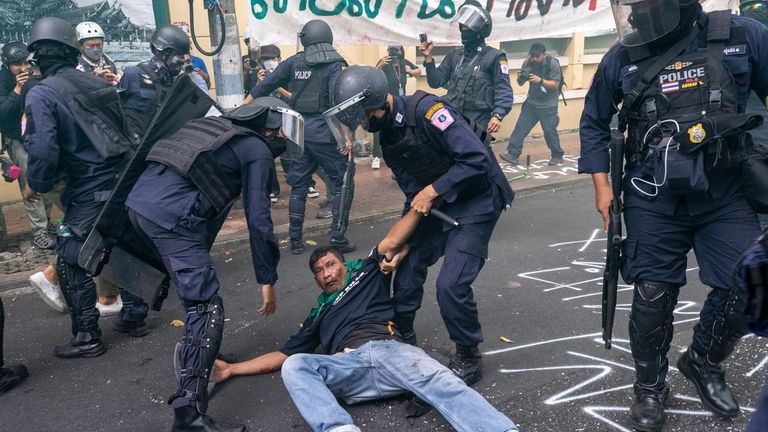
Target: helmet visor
(344,118)
(470,16)
(293,129)
(641,21)
(757,10)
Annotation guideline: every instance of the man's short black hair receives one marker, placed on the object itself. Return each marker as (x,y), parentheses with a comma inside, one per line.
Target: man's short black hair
(537,48)
(322,251)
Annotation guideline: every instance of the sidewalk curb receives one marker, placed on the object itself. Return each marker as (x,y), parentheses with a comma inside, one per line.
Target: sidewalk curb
(240,240)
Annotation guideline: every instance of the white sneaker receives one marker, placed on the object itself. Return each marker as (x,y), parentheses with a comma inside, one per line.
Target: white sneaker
(109,310)
(376,163)
(272,198)
(313,193)
(50,293)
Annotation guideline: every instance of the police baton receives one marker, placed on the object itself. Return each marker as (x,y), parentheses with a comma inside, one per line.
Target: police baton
(443,217)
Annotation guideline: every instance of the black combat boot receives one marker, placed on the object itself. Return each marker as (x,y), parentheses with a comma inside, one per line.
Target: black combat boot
(84,344)
(189,420)
(404,323)
(343,245)
(647,413)
(131,328)
(12,376)
(467,364)
(709,380)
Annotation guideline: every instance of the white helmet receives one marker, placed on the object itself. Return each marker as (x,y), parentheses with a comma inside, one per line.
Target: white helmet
(89,30)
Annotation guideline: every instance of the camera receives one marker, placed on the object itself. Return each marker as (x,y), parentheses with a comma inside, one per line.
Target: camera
(423,37)
(188,68)
(525,73)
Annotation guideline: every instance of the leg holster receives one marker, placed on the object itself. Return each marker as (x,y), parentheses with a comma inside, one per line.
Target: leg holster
(720,325)
(650,332)
(197,351)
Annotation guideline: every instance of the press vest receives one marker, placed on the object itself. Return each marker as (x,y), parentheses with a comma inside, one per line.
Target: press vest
(309,86)
(471,86)
(189,152)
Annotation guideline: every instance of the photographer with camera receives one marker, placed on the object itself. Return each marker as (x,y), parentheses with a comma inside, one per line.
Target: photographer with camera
(397,69)
(543,74)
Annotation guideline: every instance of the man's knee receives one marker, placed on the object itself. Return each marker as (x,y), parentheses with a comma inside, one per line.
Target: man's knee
(294,365)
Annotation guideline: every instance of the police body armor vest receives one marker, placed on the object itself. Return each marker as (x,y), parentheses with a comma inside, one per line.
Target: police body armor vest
(693,87)
(418,158)
(138,120)
(471,86)
(189,152)
(309,86)
(96,108)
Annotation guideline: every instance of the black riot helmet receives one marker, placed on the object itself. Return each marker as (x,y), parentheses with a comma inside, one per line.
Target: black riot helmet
(755,9)
(274,114)
(473,15)
(315,32)
(170,37)
(52,29)
(14,52)
(358,90)
(639,22)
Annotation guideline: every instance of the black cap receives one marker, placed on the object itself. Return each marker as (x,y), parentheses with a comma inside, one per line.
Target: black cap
(537,48)
(270,52)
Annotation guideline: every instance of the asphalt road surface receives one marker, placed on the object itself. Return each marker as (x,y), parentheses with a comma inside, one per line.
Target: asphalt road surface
(540,289)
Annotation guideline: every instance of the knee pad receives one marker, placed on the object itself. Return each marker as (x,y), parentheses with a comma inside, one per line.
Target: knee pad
(650,321)
(199,346)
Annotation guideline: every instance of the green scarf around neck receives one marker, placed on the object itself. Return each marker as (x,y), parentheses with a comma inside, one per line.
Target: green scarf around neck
(324,299)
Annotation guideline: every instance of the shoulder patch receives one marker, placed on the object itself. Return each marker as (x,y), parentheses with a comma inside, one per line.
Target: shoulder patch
(441,119)
(432,110)
(504,67)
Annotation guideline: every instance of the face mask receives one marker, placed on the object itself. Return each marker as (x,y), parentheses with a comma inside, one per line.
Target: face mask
(174,63)
(93,53)
(270,65)
(277,144)
(470,39)
(379,124)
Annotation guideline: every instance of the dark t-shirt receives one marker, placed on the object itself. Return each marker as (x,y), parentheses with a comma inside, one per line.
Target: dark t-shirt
(396,77)
(362,312)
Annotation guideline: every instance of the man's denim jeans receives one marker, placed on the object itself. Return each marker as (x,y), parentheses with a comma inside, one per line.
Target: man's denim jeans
(528,118)
(381,369)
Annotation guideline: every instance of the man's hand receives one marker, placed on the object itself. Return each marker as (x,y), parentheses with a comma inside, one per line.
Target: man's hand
(426,50)
(21,79)
(31,195)
(260,75)
(384,61)
(393,259)
(603,197)
(105,74)
(268,300)
(494,124)
(222,371)
(534,79)
(423,200)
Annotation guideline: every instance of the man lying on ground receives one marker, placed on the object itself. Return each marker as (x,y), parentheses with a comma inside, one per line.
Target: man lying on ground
(363,357)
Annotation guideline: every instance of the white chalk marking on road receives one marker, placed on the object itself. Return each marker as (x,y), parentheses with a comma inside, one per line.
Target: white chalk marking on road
(758,367)
(545,342)
(590,240)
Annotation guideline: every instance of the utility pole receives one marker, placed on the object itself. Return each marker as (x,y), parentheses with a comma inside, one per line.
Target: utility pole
(228,63)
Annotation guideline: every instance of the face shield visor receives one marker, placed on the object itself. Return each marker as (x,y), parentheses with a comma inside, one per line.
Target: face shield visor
(470,16)
(292,127)
(639,22)
(755,9)
(344,118)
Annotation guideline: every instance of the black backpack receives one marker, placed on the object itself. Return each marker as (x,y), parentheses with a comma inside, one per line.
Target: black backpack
(562,83)
(97,109)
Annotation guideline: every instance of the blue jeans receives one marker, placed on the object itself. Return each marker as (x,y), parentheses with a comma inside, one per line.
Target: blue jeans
(529,116)
(382,369)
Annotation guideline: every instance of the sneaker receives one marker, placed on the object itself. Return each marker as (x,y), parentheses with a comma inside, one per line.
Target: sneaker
(509,159)
(110,309)
(44,241)
(313,193)
(344,246)
(297,248)
(52,229)
(50,293)
(376,163)
(273,198)
(555,161)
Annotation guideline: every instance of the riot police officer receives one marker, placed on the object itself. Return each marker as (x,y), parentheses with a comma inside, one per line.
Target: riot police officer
(179,204)
(309,75)
(476,75)
(61,145)
(438,161)
(680,75)
(146,84)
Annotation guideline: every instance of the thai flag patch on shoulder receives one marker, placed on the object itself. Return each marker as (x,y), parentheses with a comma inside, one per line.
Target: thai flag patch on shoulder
(441,119)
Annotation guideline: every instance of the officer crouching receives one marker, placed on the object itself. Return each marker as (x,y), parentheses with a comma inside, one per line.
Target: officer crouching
(179,204)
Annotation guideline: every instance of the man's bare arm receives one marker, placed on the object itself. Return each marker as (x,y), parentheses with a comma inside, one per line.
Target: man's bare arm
(398,235)
(262,364)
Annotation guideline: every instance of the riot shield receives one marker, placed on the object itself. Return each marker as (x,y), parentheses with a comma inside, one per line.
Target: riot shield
(136,265)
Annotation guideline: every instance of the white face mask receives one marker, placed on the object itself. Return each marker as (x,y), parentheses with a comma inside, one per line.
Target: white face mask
(270,65)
